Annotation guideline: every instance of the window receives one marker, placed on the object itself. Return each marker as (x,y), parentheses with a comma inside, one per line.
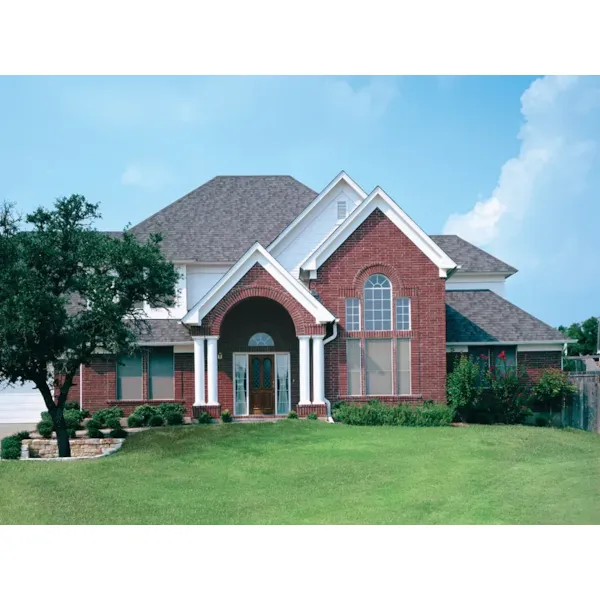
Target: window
(502,357)
(403,366)
(261,339)
(342,209)
(282,366)
(129,377)
(353,366)
(403,314)
(379,367)
(378,303)
(241,384)
(352,314)
(160,373)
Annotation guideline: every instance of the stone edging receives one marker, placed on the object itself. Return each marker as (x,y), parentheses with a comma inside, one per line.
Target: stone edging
(25,454)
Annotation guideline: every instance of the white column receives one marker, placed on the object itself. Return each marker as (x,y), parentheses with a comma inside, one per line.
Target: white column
(304,369)
(318,369)
(213,369)
(198,371)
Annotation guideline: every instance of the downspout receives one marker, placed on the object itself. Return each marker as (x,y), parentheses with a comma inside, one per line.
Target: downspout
(326,341)
(80,386)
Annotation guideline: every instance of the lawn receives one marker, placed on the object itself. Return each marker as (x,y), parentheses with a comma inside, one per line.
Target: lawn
(306,472)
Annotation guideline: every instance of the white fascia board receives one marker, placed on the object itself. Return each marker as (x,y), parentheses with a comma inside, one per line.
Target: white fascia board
(379,199)
(257,254)
(530,346)
(456,348)
(309,209)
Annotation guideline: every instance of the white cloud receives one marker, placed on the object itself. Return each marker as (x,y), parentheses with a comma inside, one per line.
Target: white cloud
(146,177)
(553,160)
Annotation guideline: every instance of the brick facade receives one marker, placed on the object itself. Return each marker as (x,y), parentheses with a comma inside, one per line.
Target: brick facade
(378,246)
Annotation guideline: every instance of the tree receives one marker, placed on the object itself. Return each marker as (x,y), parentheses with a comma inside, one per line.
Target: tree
(68,290)
(586,334)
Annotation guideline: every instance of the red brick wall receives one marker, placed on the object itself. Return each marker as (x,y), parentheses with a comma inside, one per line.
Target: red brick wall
(378,246)
(536,362)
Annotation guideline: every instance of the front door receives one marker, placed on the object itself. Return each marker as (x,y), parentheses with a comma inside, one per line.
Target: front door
(262,388)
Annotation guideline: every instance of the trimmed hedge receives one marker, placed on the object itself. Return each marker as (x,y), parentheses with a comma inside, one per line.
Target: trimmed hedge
(10,447)
(172,413)
(109,418)
(374,413)
(204,418)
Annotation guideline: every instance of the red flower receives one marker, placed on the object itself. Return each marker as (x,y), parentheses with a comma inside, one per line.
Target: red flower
(483,356)
(502,355)
(523,409)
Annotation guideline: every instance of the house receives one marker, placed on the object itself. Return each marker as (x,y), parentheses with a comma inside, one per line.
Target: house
(293,299)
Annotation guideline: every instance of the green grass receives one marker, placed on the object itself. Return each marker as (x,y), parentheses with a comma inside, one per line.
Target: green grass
(303,472)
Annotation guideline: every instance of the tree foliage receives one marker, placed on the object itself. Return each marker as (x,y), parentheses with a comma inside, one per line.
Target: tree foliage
(586,334)
(68,290)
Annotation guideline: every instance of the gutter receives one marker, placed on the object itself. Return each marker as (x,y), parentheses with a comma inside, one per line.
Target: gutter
(326,341)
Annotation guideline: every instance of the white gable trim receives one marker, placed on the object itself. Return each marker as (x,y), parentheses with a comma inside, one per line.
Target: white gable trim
(309,209)
(257,254)
(379,199)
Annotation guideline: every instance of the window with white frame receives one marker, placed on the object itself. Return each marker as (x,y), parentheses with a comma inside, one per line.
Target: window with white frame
(353,366)
(403,366)
(378,368)
(352,314)
(378,303)
(403,314)
(261,339)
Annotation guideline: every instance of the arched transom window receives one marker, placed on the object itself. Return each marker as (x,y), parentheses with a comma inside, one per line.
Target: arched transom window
(378,303)
(261,339)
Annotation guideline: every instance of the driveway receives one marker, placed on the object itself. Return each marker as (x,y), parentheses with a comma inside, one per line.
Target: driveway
(10,428)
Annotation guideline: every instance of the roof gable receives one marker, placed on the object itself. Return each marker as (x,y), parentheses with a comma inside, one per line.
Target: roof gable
(378,199)
(257,255)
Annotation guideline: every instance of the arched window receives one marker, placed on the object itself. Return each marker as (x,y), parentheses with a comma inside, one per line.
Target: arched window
(261,339)
(378,303)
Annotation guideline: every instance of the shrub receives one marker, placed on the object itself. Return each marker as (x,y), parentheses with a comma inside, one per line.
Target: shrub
(75,406)
(10,447)
(94,430)
(554,390)
(507,400)
(109,418)
(45,428)
(292,414)
(463,389)
(204,418)
(541,422)
(134,420)
(22,435)
(156,421)
(226,416)
(145,412)
(312,417)
(172,413)
(74,418)
(118,432)
(376,413)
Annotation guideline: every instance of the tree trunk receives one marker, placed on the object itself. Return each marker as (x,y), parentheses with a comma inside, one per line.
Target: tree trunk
(62,435)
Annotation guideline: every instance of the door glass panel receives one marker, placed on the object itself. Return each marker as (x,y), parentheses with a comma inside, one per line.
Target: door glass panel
(241,406)
(267,368)
(282,362)
(255,373)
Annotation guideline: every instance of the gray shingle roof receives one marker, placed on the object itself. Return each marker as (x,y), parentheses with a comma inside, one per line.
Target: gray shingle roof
(164,330)
(483,316)
(221,219)
(471,258)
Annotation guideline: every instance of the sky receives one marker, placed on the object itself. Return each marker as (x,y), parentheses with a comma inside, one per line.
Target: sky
(509,163)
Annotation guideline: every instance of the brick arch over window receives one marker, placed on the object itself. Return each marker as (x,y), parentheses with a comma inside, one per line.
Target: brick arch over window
(376,269)
(257,283)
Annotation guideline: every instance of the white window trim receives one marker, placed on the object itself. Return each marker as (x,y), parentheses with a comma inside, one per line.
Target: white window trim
(247,390)
(409,312)
(360,370)
(409,368)
(359,311)
(392,303)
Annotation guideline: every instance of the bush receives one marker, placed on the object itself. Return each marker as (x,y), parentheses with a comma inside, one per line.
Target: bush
(75,406)
(554,390)
(119,432)
(74,418)
(541,422)
(135,421)
(226,416)
(45,428)
(463,389)
(22,435)
(292,414)
(145,412)
(94,430)
(156,421)
(204,418)
(10,447)
(376,413)
(109,418)
(312,417)
(172,413)
(507,400)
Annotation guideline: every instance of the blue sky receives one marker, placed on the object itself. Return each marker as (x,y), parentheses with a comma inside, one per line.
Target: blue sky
(510,163)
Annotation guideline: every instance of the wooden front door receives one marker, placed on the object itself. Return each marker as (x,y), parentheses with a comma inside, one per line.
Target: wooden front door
(262,386)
